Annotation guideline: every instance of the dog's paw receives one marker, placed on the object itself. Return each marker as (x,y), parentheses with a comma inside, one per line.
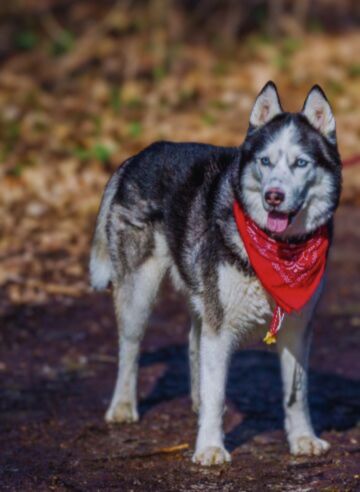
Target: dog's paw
(308,446)
(212,455)
(123,412)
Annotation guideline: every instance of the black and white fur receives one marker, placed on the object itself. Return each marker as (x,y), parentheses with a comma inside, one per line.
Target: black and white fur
(169,209)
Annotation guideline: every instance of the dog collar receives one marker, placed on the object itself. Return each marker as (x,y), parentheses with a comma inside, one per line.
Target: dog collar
(290,273)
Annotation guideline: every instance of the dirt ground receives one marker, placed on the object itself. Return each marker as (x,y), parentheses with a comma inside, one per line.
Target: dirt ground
(57,369)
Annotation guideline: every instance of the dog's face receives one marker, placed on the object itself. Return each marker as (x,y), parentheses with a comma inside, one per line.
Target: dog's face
(290,175)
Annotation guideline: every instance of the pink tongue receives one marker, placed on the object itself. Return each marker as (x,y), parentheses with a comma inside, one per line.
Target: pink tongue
(277,222)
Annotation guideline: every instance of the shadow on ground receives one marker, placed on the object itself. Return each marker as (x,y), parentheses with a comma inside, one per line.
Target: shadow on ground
(254,390)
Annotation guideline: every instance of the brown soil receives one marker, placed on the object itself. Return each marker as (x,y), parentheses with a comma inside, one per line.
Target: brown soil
(57,370)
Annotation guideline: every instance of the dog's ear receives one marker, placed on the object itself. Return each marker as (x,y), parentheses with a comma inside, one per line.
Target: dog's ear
(319,113)
(267,105)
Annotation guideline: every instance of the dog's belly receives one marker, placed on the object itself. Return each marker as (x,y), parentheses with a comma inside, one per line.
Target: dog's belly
(246,307)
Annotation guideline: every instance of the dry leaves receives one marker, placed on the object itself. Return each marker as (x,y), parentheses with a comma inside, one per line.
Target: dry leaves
(67,120)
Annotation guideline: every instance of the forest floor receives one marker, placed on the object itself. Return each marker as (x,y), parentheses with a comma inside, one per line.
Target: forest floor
(58,366)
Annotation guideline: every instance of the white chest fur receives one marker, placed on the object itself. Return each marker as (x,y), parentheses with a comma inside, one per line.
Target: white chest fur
(246,306)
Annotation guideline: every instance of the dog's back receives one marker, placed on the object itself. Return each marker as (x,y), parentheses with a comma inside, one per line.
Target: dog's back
(139,195)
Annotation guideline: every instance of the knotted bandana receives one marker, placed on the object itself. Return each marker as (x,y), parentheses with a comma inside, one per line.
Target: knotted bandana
(290,273)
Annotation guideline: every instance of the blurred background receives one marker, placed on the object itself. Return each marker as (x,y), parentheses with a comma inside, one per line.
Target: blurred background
(84,84)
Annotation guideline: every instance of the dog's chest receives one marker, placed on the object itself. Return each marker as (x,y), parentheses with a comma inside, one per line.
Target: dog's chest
(244,302)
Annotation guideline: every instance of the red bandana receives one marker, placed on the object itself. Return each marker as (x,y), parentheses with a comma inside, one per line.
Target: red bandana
(290,273)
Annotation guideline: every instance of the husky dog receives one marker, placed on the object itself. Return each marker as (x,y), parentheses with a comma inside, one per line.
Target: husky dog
(170,208)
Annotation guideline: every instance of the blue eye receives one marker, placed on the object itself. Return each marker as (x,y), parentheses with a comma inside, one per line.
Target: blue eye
(301,163)
(265,161)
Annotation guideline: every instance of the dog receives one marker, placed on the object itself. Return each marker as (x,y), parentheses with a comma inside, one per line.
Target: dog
(170,208)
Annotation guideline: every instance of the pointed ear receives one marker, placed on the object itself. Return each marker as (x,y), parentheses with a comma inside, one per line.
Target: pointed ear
(267,105)
(319,113)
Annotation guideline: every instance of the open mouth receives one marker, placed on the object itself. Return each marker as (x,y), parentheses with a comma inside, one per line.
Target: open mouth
(278,222)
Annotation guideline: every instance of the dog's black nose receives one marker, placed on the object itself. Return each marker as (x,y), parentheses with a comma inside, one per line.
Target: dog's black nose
(274,197)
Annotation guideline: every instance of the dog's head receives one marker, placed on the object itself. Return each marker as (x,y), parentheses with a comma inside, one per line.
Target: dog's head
(290,171)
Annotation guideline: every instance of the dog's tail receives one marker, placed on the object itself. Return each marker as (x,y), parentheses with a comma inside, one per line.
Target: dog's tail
(100,262)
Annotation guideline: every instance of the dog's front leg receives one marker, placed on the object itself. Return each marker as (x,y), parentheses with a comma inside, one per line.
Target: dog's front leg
(293,346)
(215,351)
(194,358)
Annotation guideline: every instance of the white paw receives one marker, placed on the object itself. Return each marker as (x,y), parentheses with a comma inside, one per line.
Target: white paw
(123,412)
(212,455)
(308,446)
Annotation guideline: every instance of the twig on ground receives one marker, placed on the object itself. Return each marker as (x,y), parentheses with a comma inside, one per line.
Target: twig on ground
(165,450)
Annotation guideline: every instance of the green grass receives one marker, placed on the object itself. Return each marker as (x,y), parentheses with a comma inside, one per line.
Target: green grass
(208,119)
(26,40)
(135,129)
(64,43)
(115,99)
(98,151)
(354,70)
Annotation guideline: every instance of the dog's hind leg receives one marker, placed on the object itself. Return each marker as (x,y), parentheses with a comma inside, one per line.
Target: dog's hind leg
(194,359)
(133,300)
(293,346)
